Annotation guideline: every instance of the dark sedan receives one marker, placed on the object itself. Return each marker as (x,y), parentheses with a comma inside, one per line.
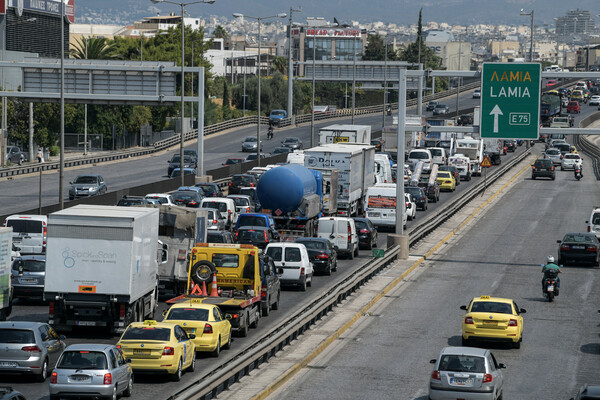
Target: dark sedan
(293,143)
(511,145)
(367,233)
(579,247)
(239,181)
(219,237)
(210,189)
(418,195)
(321,253)
(259,236)
(175,162)
(187,198)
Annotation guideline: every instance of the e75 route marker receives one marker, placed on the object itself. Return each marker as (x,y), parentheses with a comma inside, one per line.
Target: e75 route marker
(510,100)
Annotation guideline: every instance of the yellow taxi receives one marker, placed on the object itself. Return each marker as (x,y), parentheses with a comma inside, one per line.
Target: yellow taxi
(492,319)
(446,181)
(577,95)
(158,347)
(210,326)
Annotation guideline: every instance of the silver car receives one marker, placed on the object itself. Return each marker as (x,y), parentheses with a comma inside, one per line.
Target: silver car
(554,155)
(29,348)
(466,372)
(86,186)
(250,144)
(96,370)
(215,219)
(27,276)
(243,203)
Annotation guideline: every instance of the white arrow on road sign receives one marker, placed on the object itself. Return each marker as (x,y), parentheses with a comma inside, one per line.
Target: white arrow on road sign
(495,112)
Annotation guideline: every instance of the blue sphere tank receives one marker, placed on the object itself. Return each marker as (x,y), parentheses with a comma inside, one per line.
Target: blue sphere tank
(282,188)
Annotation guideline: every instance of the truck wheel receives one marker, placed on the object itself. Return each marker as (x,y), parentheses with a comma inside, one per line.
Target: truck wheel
(202,271)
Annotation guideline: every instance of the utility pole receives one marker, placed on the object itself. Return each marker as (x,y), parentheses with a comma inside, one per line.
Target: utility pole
(290,64)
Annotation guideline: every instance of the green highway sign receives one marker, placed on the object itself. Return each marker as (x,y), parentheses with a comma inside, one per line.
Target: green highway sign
(510,100)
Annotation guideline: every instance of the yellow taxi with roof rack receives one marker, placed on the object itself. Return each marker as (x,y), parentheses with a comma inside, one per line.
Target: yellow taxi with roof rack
(207,322)
(493,319)
(158,347)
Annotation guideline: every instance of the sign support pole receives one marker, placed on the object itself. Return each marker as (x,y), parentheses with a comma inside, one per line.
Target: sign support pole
(400,207)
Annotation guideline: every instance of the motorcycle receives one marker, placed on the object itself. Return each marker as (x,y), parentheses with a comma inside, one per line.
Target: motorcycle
(578,173)
(270,133)
(550,284)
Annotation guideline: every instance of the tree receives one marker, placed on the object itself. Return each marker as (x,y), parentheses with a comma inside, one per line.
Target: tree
(96,48)
(226,106)
(221,33)
(376,48)
(279,64)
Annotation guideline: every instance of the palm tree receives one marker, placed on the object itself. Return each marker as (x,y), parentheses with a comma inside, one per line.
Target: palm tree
(279,63)
(96,48)
(220,32)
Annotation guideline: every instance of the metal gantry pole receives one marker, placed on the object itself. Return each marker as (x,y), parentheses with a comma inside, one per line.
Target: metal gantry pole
(200,148)
(400,203)
(354,80)
(531,44)
(290,65)
(384,83)
(258,100)
(181,159)
(420,94)
(61,179)
(312,110)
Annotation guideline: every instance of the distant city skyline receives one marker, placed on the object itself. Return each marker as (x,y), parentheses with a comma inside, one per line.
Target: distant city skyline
(404,12)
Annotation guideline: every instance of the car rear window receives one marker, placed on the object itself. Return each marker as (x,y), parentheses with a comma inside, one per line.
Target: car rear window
(250,192)
(16,336)
(189,314)
(275,253)
(419,155)
(251,235)
(292,254)
(543,163)
(251,220)
(215,237)
(574,238)
(215,204)
(83,360)
(491,307)
(130,202)
(553,152)
(314,244)
(147,333)
(32,265)
(571,157)
(240,201)
(462,363)
(25,225)
(436,152)
(360,224)
(184,196)
(226,260)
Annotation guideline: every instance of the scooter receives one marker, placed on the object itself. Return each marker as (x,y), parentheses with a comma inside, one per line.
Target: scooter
(270,133)
(578,173)
(550,284)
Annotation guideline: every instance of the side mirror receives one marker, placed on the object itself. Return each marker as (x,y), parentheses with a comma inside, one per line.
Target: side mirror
(463,308)
(164,256)
(62,338)
(432,361)
(522,311)
(501,365)
(70,183)
(335,247)
(192,336)
(559,241)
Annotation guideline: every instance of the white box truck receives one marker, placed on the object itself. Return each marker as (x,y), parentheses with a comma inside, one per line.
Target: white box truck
(102,266)
(356,166)
(5,264)
(414,134)
(345,134)
(472,148)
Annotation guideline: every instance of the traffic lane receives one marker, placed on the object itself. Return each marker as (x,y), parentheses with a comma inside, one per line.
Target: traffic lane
(499,256)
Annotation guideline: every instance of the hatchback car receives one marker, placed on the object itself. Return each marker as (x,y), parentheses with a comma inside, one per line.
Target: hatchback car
(211,327)
(418,195)
(158,347)
(466,373)
(553,155)
(210,189)
(441,109)
(27,276)
(219,237)
(477,94)
(86,186)
(492,319)
(239,181)
(568,161)
(187,198)
(258,236)
(294,261)
(161,198)
(543,167)
(322,254)
(250,144)
(91,370)
(573,107)
(453,170)
(594,100)
(243,203)
(215,221)
(367,233)
(293,143)
(251,192)
(579,248)
(431,105)
(175,162)
(29,348)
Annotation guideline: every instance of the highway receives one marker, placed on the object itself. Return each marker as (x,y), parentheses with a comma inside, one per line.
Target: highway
(22,192)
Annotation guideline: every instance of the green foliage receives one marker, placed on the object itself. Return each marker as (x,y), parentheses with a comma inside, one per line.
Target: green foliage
(54,150)
(375,49)
(226,108)
(279,64)
(220,32)
(92,48)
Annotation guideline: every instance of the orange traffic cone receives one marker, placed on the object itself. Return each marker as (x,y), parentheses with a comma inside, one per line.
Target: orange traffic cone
(214,291)
(204,292)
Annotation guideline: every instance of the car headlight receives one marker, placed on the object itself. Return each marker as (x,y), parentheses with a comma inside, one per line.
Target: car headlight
(93,189)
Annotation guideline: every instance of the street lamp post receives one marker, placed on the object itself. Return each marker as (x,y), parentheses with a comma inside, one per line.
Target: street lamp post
(61,194)
(182,139)
(259,19)
(354,80)
(290,64)
(531,31)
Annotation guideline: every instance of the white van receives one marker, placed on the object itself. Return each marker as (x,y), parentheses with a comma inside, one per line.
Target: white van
(383,169)
(381,205)
(594,222)
(341,232)
(296,157)
(438,155)
(424,155)
(463,165)
(225,205)
(293,259)
(29,232)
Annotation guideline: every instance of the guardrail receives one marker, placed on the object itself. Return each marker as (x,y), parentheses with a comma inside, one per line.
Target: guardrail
(586,145)
(265,347)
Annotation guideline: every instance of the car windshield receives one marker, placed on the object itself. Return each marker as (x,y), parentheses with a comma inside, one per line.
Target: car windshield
(188,314)
(575,238)
(24,225)
(277,113)
(233,161)
(314,244)
(440,106)
(436,152)
(596,219)
(491,307)
(250,139)
(242,180)
(184,196)
(443,174)
(226,260)
(31,265)
(360,224)
(215,204)
(291,140)
(462,363)
(143,333)
(16,336)
(82,360)
(252,220)
(85,179)
(571,156)
(553,152)
(251,235)
(418,155)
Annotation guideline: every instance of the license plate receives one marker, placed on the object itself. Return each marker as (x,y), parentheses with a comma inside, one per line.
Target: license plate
(86,323)
(374,214)
(190,330)
(80,378)
(578,247)
(27,280)
(8,365)
(142,352)
(490,322)
(551,288)
(461,381)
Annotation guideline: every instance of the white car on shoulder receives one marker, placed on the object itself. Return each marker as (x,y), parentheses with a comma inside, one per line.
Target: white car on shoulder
(162,198)
(568,161)
(411,207)
(293,259)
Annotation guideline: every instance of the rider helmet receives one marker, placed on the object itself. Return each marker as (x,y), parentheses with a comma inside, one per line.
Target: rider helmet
(549,260)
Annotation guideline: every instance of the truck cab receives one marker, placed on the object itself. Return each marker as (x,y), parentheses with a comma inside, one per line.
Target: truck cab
(276,116)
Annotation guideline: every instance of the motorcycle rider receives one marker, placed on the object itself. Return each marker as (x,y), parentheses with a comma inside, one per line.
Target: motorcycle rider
(270,132)
(550,266)
(578,168)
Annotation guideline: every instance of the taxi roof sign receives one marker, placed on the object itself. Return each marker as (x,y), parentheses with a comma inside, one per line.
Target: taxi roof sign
(486,163)
(484,297)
